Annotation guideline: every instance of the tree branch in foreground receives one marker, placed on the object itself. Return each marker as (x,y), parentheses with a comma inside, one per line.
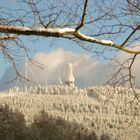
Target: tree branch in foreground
(7,37)
(83,16)
(62,32)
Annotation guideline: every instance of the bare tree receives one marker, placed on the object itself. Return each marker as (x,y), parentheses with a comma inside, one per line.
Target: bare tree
(105,25)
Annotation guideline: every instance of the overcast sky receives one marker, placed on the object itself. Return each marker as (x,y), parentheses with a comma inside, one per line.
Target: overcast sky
(87,71)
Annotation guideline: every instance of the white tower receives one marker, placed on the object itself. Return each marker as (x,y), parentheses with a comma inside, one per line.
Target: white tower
(69,76)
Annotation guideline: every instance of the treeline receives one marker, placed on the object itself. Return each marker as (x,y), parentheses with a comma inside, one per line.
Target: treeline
(13,127)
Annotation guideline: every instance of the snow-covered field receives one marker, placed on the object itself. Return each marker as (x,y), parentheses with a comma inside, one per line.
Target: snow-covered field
(103,109)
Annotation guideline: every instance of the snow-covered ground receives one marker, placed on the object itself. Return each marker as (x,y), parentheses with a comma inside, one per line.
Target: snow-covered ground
(104,109)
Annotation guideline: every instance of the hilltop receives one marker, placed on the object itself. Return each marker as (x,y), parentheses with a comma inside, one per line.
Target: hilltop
(105,110)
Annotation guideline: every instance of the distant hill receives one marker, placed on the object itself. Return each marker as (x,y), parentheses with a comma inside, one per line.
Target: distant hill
(106,110)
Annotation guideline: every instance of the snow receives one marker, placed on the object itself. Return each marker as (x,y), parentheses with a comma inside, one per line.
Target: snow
(107,42)
(82,109)
(56,30)
(86,37)
(92,39)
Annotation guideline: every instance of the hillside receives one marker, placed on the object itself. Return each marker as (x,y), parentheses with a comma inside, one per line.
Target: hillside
(104,110)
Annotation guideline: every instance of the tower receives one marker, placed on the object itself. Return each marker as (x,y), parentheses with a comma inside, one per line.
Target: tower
(69,76)
(26,68)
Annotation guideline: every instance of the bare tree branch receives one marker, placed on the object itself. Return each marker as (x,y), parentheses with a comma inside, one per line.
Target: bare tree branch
(115,24)
(83,16)
(61,32)
(7,37)
(131,34)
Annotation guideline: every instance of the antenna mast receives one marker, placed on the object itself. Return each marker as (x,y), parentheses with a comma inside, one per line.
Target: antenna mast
(26,67)
(60,81)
